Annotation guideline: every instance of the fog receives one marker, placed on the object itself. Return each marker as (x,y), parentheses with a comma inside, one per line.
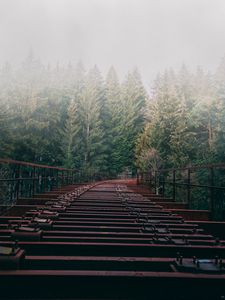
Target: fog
(150,34)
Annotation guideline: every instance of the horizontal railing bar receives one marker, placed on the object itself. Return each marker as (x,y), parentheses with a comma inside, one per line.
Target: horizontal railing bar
(28,164)
(31,178)
(195,185)
(194,167)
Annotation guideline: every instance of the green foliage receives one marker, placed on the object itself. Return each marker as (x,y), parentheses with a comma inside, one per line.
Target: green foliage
(111,116)
(185,119)
(133,102)
(6,146)
(69,132)
(66,116)
(90,136)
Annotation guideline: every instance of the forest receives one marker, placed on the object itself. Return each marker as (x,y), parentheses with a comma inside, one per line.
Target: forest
(72,117)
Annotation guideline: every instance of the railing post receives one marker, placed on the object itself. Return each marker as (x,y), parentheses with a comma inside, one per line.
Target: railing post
(21,182)
(33,180)
(163,184)
(50,179)
(67,177)
(12,186)
(156,182)
(73,177)
(45,179)
(142,178)
(53,179)
(189,187)
(150,179)
(18,183)
(30,182)
(57,178)
(39,180)
(60,178)
(138,182)
(211,191)
(63,178)
(174,185)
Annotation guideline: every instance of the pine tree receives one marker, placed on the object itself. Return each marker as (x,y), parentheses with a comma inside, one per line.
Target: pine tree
(133,101)
(6,142)
(69,133)
(168,129)
(111,119)
(219,108)
(203,116)
(90,148)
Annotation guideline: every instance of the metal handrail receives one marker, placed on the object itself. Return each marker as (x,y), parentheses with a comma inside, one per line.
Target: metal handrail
(24,179)
(24,163)
(20,179)
(211,184)
(194,167)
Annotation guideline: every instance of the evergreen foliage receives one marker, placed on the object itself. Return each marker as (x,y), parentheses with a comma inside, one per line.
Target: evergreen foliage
(185,120)
(75,118)
(66,116)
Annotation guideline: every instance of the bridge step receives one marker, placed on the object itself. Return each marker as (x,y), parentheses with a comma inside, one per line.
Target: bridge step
(172,205)
(190,214)
(108,242)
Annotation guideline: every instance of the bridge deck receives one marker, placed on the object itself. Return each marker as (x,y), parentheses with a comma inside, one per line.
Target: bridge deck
(111,240)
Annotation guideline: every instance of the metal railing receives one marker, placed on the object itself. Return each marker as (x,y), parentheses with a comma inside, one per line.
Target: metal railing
(19,179)
(199,186)
(23,179)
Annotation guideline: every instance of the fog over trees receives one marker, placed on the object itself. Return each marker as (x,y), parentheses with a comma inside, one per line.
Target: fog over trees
(70,116)
(112,85)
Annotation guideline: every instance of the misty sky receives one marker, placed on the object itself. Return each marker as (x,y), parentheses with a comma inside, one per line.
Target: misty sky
(150,34)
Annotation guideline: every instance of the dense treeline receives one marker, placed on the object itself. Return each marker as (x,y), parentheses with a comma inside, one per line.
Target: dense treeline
(69,116)
(76,118)
(185,120)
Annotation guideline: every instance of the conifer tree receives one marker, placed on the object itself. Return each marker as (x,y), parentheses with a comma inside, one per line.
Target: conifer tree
(133,100)
(111,118)
(219,106)
(90,144)
(168,129)
(69,133)
(6,142)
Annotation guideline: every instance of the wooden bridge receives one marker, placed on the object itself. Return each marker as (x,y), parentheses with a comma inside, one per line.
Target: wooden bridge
(109,239)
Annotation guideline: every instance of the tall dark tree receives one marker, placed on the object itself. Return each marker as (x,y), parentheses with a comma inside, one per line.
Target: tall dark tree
(69,133)
(219,106)
(90,148)
(111,117)
(133,100)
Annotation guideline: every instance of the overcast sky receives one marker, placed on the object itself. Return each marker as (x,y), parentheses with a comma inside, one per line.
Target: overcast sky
(150,34)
